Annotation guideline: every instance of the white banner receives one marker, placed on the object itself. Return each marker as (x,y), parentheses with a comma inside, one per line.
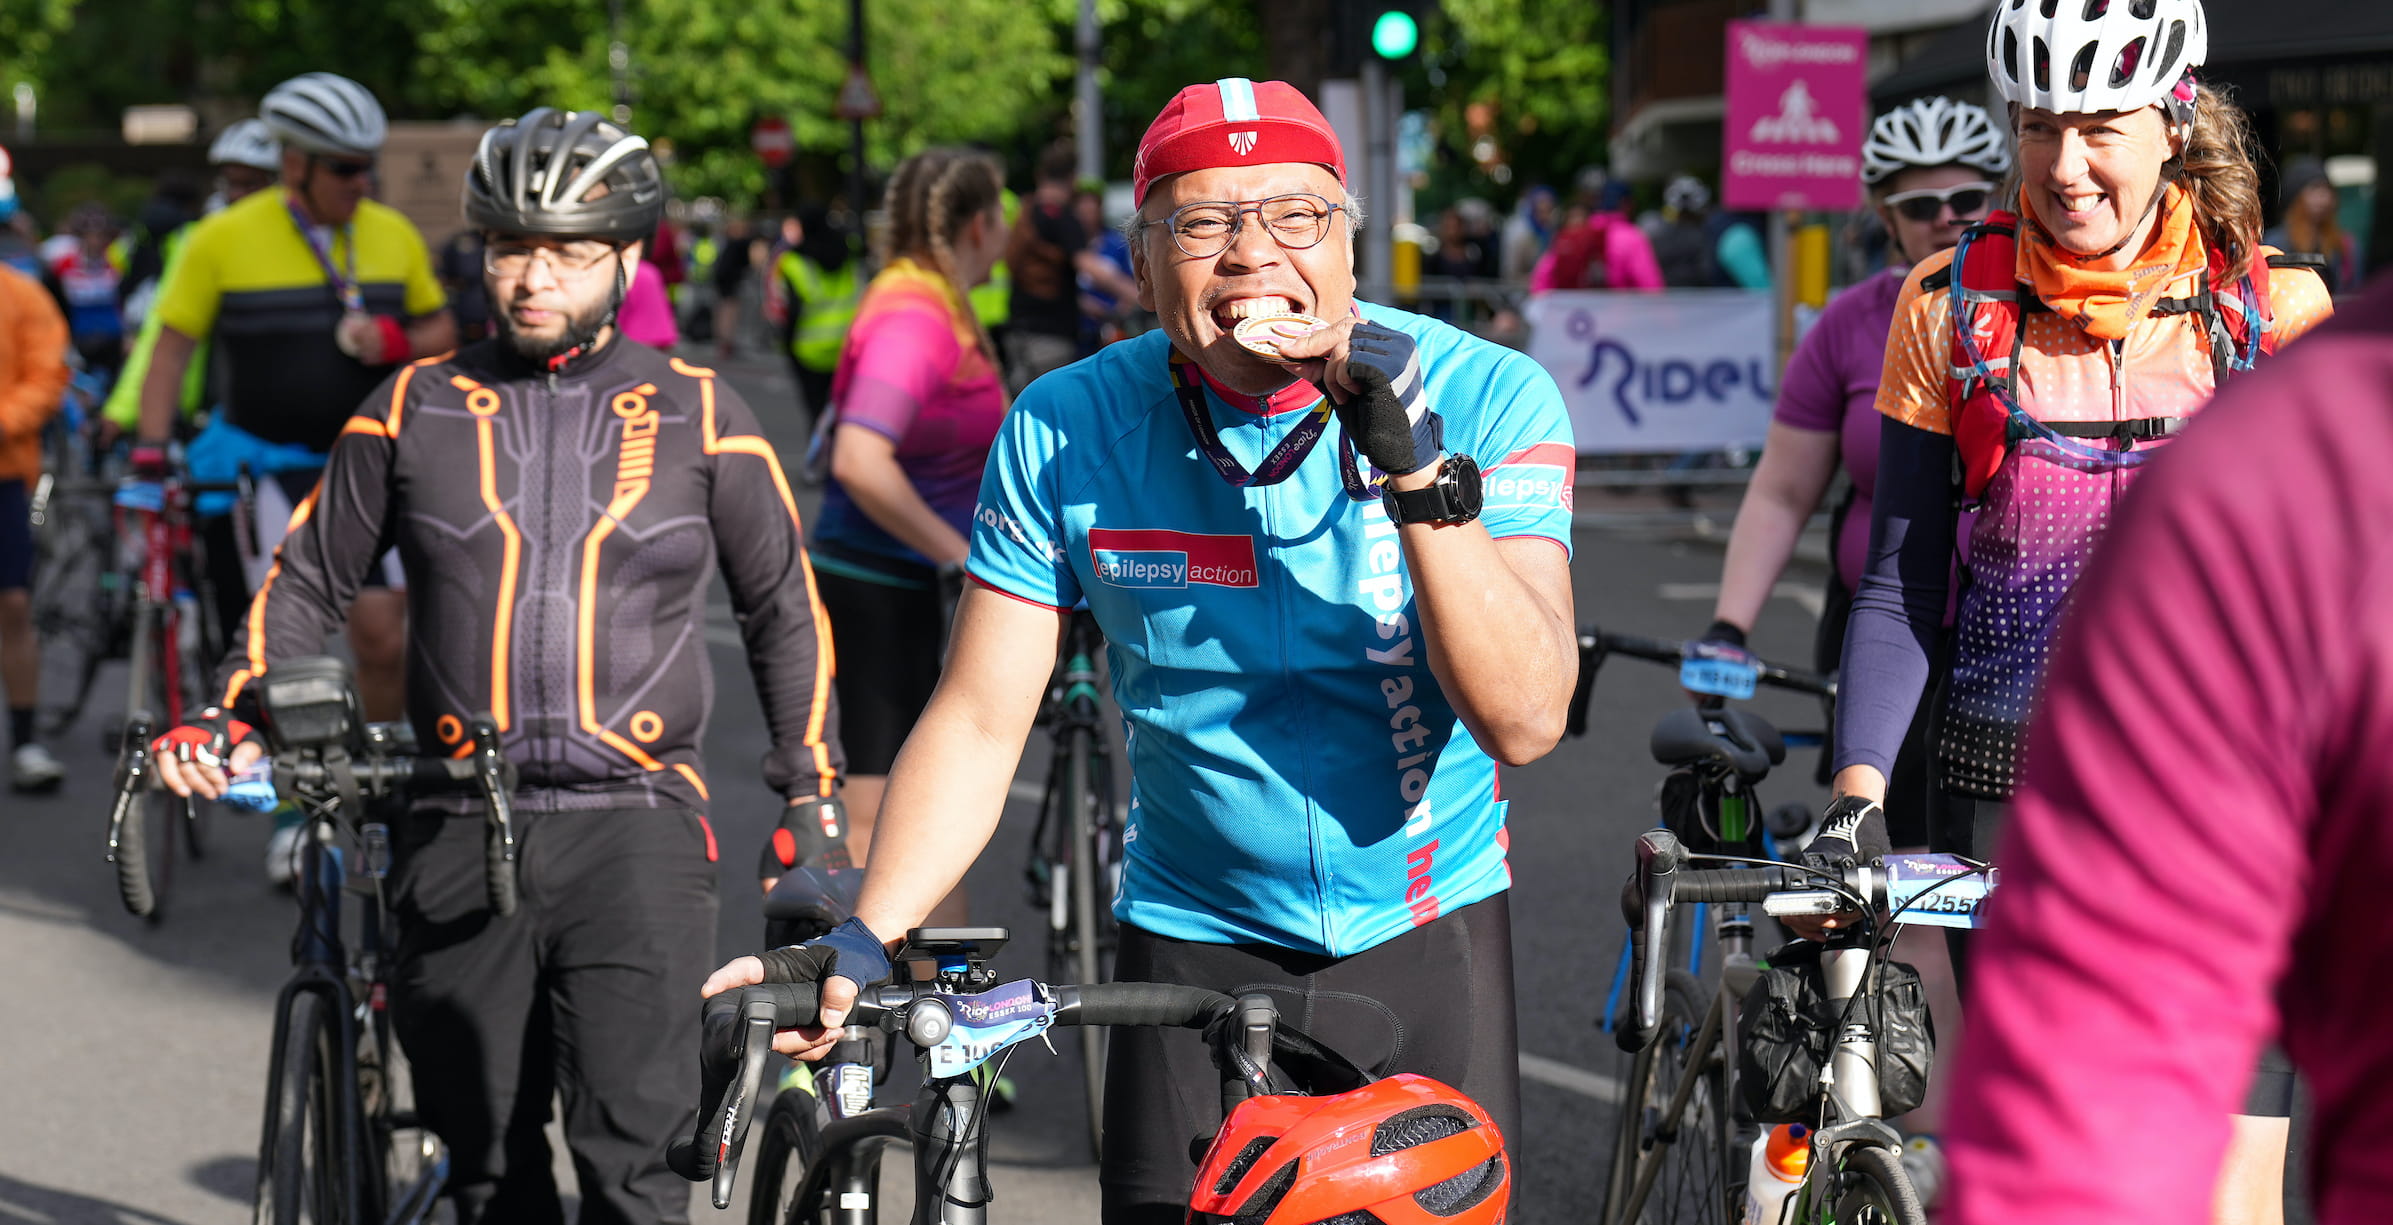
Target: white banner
(1679,370)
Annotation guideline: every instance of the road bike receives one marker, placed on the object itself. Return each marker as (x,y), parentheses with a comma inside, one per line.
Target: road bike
(962,1024)
(79,596)
(173,639)
(1076,852)
(1685,1086)
(340,1145)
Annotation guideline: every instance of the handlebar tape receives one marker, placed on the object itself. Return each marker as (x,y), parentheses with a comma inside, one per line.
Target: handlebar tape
(1730,885)
(1147,1004)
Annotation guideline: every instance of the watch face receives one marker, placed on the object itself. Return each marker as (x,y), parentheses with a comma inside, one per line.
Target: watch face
(1463,471)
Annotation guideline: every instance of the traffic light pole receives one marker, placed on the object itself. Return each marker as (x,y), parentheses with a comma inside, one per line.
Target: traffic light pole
(1088,119)
(1376,259)
(857,204)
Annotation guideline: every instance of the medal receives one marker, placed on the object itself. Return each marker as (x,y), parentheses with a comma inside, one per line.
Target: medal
(1262,335)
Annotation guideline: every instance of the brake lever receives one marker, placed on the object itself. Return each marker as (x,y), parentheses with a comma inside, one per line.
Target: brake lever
(756,1041)
(1658,856)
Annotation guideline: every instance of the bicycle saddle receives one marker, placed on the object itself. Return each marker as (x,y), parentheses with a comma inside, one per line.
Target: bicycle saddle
(1728,737)
(808,902)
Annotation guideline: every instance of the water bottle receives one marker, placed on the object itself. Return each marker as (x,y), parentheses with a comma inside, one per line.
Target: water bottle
(1781,1155)
(1923,1160)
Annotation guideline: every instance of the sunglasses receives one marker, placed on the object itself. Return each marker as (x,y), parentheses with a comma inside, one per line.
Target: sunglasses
(345,170)
(1967,201)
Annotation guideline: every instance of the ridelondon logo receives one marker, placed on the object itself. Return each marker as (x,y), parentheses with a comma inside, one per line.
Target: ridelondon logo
(1242,143)
(1161,558)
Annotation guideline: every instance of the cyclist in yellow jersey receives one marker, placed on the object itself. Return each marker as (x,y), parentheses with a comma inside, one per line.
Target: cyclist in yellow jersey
(310,294)
(246,160)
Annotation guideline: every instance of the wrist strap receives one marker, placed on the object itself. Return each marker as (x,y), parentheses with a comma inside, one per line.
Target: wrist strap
(395,348)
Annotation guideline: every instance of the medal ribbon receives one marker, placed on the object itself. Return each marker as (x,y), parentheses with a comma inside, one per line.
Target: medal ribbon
(353,298)
(1281,462)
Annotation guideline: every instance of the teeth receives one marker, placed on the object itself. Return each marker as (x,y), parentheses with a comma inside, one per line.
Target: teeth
(1248,308)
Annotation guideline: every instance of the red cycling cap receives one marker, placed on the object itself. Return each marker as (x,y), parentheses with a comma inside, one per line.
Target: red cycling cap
(1234,122)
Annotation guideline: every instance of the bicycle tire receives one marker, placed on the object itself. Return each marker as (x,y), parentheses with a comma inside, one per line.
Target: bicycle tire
(70,613)
(861,1143)
(792,1142)
(162,814)
(1693,1184)
(1872,1189)
(299,1161)
(1081,801)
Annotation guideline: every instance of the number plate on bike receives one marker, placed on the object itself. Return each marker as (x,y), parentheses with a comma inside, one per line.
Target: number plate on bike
(988,1023)
(1722,672)
(1937,890)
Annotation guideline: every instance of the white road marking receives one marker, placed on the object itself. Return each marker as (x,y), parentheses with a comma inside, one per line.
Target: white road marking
(1811,597)
(1561,1075)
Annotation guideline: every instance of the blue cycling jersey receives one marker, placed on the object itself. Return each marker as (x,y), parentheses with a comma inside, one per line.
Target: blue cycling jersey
(1298,777)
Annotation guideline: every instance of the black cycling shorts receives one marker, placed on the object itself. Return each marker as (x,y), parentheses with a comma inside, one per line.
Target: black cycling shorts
(1436,1001)
(888,644)
(16,536)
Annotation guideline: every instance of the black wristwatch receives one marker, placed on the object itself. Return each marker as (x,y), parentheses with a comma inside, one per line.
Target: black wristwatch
(1452,498)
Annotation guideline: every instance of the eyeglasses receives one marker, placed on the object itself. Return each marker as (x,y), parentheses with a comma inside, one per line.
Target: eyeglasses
(1206,228)
(1967,201)
(345,169)
(569,259)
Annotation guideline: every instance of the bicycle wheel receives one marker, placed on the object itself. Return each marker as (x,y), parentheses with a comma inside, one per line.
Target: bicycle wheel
(299,1162)
(70,608)
(1872,1189)
(1088,937)
(790,1145)
(405,1165)
(1681,1158)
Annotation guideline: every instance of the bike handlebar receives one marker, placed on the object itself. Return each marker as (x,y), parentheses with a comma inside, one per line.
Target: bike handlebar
(308,775)
(1596,644)
(738,1027)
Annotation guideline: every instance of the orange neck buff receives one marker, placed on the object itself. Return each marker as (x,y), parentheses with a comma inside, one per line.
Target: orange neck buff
(2107,303)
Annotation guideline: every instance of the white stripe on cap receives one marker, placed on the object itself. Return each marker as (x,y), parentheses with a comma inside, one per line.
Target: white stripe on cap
(1237,100)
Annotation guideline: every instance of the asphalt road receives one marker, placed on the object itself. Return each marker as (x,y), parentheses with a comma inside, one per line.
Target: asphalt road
(132,1057)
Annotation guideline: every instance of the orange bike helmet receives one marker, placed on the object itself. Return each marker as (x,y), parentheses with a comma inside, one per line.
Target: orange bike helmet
(1401,1151)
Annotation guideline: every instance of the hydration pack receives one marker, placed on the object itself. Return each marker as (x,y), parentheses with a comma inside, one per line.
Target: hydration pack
(1988,302)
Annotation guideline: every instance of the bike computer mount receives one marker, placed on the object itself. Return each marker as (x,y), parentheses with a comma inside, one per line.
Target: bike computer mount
(309,703)
(961,955)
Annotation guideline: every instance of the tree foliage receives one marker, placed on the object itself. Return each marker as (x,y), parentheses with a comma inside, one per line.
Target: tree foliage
(1539,70)
(996,72)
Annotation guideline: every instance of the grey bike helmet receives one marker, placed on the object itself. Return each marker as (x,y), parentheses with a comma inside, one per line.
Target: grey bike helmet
(326,115)
(534,175)
(246,143)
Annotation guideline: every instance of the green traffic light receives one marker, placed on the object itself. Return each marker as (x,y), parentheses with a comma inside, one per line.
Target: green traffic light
(1395,34)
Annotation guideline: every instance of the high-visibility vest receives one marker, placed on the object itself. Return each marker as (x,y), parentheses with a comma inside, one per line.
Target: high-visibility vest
(993,300)
(826,309)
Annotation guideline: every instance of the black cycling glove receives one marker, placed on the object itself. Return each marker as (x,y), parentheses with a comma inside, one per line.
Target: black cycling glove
(850,951)
(812,831)
(1852,830)
(1390,420)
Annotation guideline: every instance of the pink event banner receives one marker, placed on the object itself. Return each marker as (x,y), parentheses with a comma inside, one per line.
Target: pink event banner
(1798,108)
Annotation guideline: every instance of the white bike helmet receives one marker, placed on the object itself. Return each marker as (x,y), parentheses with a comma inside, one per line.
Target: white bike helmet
(1687,194)
(325,114)
(1934,132)
(246,143)
(2077,57)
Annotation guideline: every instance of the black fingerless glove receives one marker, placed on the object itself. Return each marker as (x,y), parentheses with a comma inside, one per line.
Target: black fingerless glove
(1390,420)
(812,831)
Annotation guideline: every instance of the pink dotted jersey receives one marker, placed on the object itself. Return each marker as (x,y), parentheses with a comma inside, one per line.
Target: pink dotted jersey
(2045,507)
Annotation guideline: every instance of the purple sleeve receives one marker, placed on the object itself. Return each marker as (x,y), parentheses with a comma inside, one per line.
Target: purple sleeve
(2193,853)
(1898,612)
(1811,394)
(903,358)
